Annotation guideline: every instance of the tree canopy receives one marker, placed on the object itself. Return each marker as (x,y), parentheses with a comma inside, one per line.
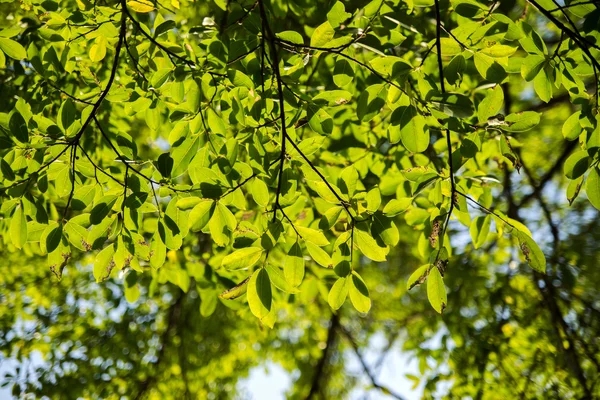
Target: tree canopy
(190,189)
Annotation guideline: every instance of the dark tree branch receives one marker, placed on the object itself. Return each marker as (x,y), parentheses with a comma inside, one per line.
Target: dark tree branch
(173,315)
(274,53)
(438,44)
(315,387)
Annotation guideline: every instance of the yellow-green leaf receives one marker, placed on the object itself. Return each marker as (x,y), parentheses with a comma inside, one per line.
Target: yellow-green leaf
(592,187)
(18,228)
(338,293)
(368,246)
(242,258)
(313,236)
(436,291)
(98,49)
(12,48)
(359,294)
(104,263)
(532,252)
(293,266)
(259,293)
(141,6)
(418,277)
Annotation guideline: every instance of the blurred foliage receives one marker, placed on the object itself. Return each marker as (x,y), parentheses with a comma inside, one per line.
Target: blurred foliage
(193,189)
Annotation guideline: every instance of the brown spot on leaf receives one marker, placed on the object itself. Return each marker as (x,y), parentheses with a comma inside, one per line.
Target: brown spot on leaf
(525,251)
(435,232)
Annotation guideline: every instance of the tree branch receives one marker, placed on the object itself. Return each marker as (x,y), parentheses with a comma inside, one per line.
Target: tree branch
(365,367)
(172,319)
(331,335)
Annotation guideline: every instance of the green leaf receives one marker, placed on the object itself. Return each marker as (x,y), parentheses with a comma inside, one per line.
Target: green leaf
(293,266)
(136,200)
(572,128)
(239,79)
(332,98)
(319,120)
(260,192)
(319,255)
(242,258)
(343,72)
(391,67)
(12,49)
(51,237)
(313,236)
(18,228)
(409,126)
(455,69)
(386,229)
(531,40)
(418,277)
(236,291)
(436,291)
(359,294)
(104,264)
(577,164)
(98,49)
(208,302)
(338,293)
(542,85)
(331,217)
(468,8)
(489,68)
(397,206)
(141,6)
(453,104)
(77,235)
(200,215)
(132,290)
(279,281)
(480,228)
(348,181)
(102,208)
(259,293)
(160,77)
(373,199)
(491,104)
(158,251)
(221,223)
(18,127)
(592,187)
(573,189)
(291,36)
(68,115)
(531,67)
(322,35)
(58,259)
(522,121)
(215,122)
(370,102)
(368,246)
(182,155)
(169,232)
(532,252)
(337,14)
(186,203)
(450,47)
(499,51)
